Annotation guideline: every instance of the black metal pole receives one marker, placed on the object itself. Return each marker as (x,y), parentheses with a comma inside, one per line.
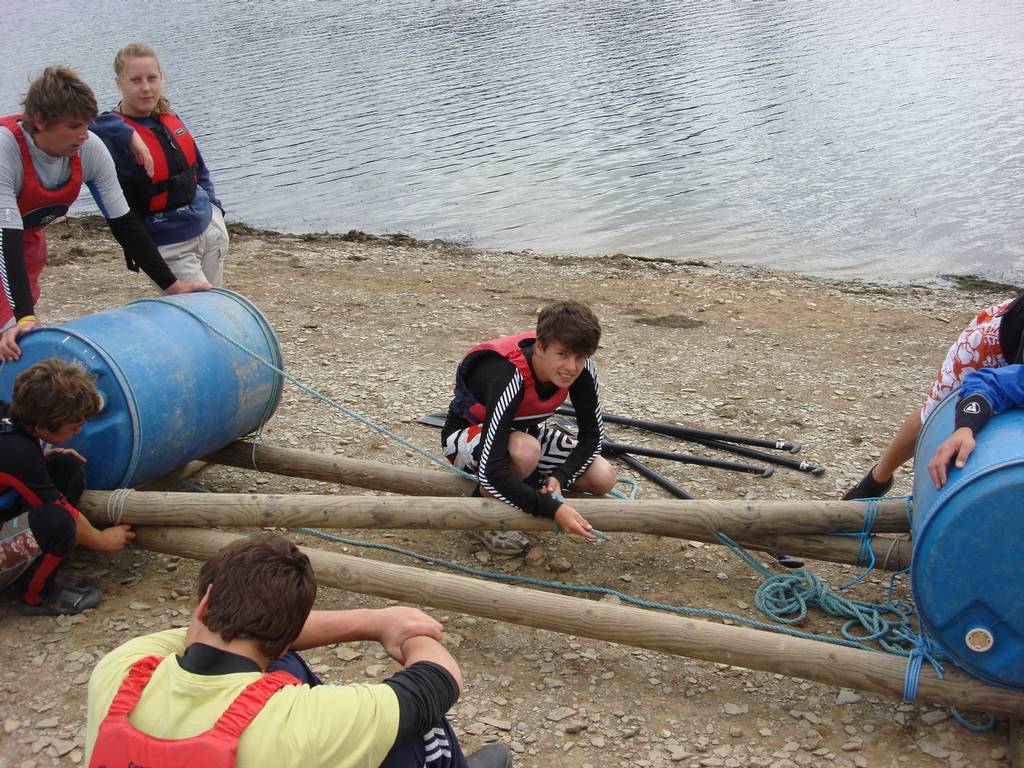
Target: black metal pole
(673,430)
(769,458)
(656,477)
(686,458)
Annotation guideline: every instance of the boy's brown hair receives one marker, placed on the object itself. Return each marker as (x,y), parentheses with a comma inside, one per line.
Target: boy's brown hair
(56,95)
(570,323)
(52,394)
(263,589)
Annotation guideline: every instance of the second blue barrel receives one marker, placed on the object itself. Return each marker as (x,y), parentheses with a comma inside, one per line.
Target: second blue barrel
(173,389)
(966,571)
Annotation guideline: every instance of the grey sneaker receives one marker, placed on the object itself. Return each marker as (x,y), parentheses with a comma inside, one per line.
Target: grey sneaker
(490,756)
(503,542)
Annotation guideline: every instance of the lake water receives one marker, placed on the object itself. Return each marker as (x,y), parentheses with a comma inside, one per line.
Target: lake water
(870,139)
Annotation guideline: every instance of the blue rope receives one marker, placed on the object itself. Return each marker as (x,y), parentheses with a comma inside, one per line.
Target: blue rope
(866,553)
(324,398)
(922,647)
(786,599)
(923,650)
(986,725)
(562,586)
(582,588)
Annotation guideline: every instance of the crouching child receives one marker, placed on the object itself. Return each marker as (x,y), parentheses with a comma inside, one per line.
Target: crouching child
(505,389)
(39,487)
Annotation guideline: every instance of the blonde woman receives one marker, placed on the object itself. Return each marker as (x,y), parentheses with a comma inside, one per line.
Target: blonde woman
(161,170)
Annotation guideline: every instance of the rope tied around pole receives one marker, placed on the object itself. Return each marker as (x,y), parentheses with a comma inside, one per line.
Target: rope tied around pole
(866,552)
(115,504)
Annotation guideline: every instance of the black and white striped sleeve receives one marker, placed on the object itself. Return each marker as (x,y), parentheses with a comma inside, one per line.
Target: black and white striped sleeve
(584,394)
(495,470)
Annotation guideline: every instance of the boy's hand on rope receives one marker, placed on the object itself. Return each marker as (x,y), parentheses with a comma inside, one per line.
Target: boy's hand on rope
(571,521)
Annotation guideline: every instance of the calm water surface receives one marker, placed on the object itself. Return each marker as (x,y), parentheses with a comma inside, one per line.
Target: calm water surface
(872,139)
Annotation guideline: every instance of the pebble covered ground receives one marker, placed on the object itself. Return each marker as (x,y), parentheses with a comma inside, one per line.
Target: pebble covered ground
(378,324)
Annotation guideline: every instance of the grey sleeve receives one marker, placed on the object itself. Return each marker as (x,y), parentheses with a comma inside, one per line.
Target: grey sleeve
(99,173)
(11,175)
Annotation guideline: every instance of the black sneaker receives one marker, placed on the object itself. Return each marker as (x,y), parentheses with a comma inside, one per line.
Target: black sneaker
(787,561)
(490,756)
(61,599)
(75,583)
(868,487)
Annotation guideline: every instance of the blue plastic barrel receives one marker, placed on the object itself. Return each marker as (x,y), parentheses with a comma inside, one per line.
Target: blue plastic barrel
(172,389)
(966,571)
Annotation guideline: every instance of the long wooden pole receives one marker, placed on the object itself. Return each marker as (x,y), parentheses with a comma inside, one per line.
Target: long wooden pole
(357,473)
(739,646)
(418,482)
(662,517)
(799,527)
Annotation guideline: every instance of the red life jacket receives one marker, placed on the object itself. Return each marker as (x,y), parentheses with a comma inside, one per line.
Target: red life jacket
(175,157)
(119,744)
(38,206)
(532,406)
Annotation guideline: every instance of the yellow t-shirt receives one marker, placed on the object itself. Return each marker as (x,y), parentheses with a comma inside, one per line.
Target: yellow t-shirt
(330,725)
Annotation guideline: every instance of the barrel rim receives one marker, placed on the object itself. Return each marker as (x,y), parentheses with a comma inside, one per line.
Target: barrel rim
(123,385)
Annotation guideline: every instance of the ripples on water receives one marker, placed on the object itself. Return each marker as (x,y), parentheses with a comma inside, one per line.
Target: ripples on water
(873,139)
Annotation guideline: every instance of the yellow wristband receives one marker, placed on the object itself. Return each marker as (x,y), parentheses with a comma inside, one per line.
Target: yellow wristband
(27,319)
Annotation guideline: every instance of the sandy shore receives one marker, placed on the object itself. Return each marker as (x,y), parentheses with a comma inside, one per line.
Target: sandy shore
(379,324)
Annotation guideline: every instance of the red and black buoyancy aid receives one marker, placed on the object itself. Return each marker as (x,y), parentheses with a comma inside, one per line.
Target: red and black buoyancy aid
(38,205)
(532,406)
(175,157)
(120,745)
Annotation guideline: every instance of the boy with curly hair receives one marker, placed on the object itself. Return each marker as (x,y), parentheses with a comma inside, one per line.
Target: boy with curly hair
(39,487)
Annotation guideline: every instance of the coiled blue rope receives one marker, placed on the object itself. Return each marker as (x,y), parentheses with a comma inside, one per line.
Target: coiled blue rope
(786,599)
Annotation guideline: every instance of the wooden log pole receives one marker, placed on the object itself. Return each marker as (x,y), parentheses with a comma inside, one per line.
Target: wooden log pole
(794,527)
(662,517)
(357,473)
(754,649)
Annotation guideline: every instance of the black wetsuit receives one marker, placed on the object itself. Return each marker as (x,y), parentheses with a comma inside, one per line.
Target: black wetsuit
(49,487)
(498,385)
